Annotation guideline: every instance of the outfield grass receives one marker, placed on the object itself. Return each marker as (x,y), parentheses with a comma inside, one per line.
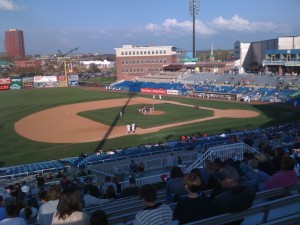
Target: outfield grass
(14,105)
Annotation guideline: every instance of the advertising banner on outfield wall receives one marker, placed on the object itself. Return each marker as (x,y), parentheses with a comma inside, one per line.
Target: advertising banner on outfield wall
(154,91)
(73,80)
(4,83)
(62,81)
(16,83)
(172,92)
(45,81)
(27,82)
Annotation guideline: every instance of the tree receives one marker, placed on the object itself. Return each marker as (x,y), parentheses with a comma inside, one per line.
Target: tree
(93,68)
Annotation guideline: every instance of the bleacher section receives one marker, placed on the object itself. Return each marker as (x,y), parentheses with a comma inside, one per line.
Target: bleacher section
(256,87)
(33,168)
(122,211)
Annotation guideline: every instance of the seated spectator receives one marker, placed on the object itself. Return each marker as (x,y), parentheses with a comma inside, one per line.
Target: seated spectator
(131,190)
(98,217)
(64,182)
(3,214)
(107,182)
(93,190)
(235,197)
(49,176)
(265,164)
(192,207)
(69,209)
(171,161)
(40,181)
(48,208)
(116,181)
(206,172)
(25,188)
(279,154)
(90,200)
(29,213)
(254,176)
(174,185)
(141,167)
(11,219)
(110,193)
(133,168)
(153,212)
(59,175)
(286,177)
(42,197)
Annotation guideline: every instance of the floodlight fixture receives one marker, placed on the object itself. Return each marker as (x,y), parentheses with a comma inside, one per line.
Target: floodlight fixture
(194,7)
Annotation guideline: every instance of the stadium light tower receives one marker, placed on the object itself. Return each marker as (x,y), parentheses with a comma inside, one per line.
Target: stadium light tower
(194,9)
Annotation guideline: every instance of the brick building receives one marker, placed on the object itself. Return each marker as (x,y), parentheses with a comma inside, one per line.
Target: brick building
(14,44)
(138,61)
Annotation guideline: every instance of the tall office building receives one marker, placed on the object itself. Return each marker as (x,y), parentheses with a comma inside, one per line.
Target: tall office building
(14,44)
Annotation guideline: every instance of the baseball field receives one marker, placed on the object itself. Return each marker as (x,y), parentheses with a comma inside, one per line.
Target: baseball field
(44,124)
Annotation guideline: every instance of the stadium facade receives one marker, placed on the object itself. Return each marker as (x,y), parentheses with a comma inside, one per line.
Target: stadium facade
(277,56)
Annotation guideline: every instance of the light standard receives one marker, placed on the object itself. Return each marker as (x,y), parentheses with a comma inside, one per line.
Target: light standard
(194,9)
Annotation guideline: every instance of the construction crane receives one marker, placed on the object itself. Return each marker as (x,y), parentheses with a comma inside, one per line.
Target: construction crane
(65,64)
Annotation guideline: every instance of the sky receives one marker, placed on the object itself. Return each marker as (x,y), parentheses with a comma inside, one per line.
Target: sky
(99,26)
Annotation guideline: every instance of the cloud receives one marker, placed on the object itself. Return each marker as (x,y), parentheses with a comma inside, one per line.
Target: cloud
(215,26)
(173,26)
(9,5)
(239,24)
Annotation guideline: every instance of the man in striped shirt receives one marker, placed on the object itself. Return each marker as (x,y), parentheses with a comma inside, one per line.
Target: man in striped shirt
(154,212)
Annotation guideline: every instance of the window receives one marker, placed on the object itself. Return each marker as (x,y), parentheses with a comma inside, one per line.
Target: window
(126,53)
(145,52)
(137,52)
(133,53)
(149,69)
(152,52)
(137,61)
(142,70)
(122,53)
(123,70)
(142,61)
(165,61)
(122,62)
(156,52)
(160,52)
(160,61)
(129,52)
(141,52)
(149,52)
(126,62)
(165,52)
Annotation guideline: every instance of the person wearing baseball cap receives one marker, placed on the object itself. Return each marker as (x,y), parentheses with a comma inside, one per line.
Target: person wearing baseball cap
(235,197)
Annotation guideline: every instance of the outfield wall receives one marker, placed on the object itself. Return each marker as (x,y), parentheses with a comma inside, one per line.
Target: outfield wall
(39,82)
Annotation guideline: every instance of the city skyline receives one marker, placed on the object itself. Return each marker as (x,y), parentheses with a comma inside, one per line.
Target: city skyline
(101,26)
